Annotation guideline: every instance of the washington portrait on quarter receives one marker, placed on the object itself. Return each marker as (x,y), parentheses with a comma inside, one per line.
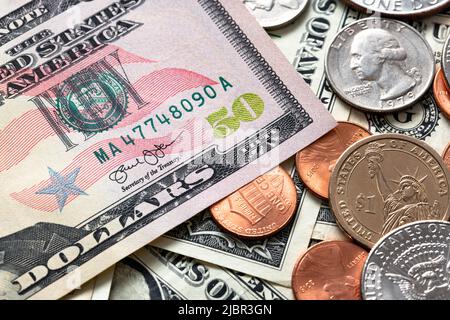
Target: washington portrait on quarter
(376,55)
(379,65)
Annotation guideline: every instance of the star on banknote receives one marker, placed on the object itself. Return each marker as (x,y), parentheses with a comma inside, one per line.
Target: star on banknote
(62,186)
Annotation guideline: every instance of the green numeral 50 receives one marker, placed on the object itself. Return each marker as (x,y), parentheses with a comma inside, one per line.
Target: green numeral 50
(246,108)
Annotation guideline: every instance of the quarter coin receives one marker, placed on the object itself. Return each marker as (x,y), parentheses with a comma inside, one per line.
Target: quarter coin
(329,270)
(410,263)
(385,181)
(380,65)
(316,162)
(259,209)
(272,14)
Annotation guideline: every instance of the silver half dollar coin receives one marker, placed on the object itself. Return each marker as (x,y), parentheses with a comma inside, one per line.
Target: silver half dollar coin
(410,263)
(380,65)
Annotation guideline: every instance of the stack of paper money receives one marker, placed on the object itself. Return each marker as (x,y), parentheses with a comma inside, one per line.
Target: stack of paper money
(123,121)
(120,120)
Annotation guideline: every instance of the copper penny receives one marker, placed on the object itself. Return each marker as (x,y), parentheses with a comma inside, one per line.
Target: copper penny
(261,208)
(330,270)
(446,156)
(316,162)
(441,93)
(385,181)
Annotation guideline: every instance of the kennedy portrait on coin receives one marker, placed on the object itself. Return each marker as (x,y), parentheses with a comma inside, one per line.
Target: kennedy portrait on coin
(377,56)
(408,202)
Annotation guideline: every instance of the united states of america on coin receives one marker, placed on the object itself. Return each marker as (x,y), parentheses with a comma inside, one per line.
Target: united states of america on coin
(411,263)
(385,181)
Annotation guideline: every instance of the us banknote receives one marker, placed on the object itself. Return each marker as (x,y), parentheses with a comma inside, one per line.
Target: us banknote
(121,119)
(156,274)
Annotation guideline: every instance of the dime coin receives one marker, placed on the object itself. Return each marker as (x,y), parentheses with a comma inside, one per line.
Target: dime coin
(446,156)
(383,182)
(379,65)
(259,209)
(410,263)
(316,162)
(329,270)
(441,93)
(400,9)
(272,14)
